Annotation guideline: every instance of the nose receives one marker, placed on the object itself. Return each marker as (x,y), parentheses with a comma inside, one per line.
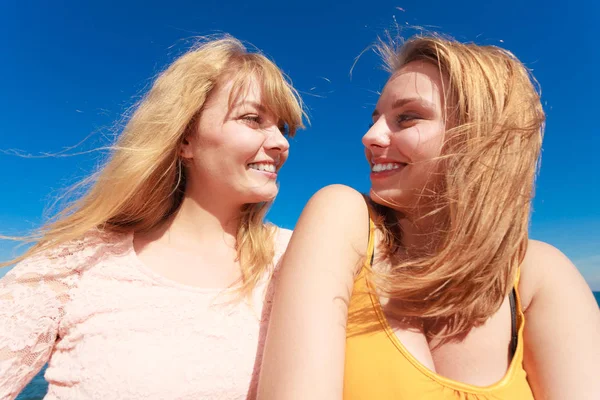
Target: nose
(378,136)
(276,141)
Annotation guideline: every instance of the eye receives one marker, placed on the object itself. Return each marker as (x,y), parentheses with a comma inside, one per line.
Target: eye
(284,128)
(374,120)
(402,118)
(252,119)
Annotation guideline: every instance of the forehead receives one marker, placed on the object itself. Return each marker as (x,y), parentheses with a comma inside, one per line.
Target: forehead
(230,92)
(260,89)
(415,80)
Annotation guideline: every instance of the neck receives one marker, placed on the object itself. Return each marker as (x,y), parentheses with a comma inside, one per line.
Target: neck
(200,220)
(203,217)
(421,235)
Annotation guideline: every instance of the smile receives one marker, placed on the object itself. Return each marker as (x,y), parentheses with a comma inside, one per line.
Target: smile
(266,167)
(386,167)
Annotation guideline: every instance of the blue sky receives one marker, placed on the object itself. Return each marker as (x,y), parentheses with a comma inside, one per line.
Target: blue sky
(70,69)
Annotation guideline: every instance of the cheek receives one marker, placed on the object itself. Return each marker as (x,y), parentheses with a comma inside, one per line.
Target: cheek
(242,142)
(208,137)
(284,156)
(420,143)
(229,146)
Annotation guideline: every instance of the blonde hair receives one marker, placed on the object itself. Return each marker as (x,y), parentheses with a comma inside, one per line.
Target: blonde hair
(490,159)
(143,182)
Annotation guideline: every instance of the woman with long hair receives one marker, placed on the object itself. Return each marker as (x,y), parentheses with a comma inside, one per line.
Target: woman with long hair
(432,288)
(151,285)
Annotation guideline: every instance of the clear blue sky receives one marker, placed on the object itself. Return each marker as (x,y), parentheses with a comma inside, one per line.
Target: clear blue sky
(70,68)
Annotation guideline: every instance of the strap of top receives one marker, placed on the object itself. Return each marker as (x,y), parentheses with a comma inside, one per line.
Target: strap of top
(514,312)
(517,276)
(514,336)
(371,244)
(512,297)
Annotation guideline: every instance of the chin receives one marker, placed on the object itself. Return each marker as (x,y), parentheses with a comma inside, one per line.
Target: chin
(263,196)
(388,198)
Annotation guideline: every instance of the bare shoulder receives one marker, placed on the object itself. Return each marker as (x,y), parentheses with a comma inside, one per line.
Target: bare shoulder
(546,269)
(336,217)
(562,350)
(537,250)
(344,198)
(337,209)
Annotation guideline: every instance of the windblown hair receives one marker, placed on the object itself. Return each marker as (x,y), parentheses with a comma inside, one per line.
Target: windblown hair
(143,182)
(495,124)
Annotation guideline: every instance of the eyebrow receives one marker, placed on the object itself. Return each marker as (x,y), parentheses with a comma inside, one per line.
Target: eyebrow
(402,102)
(254,104)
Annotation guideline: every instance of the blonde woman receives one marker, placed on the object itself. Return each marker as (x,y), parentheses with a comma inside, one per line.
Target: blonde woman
(440,294)
(151,285)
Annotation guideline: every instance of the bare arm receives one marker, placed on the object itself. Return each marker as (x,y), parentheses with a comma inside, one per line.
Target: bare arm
(562,328)
(305,347)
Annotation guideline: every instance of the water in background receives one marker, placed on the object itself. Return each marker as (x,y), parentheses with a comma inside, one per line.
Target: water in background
(38,387)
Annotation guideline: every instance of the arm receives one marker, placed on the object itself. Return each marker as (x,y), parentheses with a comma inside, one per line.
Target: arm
(305,347)
(31,299)
(562,327)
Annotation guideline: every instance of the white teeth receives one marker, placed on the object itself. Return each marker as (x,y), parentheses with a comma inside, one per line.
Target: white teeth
(385,167)
(267,167)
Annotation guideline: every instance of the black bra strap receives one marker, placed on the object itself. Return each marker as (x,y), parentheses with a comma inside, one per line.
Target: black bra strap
(513,322)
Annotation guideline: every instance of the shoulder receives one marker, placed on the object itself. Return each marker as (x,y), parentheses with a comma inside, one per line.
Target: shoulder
(335,220)
(71,256)
(91,247)
(537,249)
(341,195)
(339,205)
(541,256)
(331,204)
(562,326)
(544,269)
(281,239)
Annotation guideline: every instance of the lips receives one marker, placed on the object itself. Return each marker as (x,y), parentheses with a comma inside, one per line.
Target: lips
(390,166)
(263,166)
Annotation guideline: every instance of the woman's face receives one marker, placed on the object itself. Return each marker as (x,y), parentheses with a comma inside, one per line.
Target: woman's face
(235,152)
(405,141)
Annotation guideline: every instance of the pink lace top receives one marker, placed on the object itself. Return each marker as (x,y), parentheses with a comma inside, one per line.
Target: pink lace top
(110,328)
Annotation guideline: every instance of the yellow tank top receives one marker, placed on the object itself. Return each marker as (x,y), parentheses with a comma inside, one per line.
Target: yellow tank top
(379,367)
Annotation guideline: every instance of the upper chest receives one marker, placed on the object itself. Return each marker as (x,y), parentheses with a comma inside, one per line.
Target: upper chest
(479,358)
(216,267)
(119,303)
(161,339)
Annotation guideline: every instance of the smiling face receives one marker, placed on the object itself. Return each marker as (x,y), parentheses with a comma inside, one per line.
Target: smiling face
(405,141)
(238,146)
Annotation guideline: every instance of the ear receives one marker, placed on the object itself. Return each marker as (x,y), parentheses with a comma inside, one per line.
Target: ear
(185,151)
